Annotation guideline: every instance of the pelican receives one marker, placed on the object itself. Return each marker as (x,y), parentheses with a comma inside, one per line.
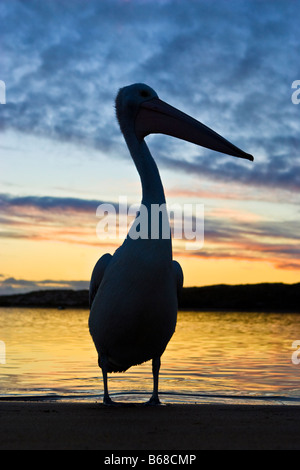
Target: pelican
(134,292)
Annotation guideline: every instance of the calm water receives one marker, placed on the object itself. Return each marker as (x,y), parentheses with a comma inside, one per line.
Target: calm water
(213,357)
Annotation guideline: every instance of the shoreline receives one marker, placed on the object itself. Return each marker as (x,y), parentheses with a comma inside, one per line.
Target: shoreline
(263,297)
(40,425)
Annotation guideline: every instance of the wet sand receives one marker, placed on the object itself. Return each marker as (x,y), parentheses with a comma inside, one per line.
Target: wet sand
(92,426)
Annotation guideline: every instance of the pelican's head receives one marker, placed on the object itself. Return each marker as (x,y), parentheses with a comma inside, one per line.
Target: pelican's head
(140,110)
(128,103)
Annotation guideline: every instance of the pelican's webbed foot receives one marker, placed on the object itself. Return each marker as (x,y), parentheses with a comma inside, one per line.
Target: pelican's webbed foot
(107,401)
(154,401)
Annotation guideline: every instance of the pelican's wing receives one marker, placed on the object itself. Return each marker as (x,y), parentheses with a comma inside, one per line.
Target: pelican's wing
(97,275)
(179,277)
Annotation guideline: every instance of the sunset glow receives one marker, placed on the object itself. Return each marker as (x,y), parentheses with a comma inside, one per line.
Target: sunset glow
(62,153)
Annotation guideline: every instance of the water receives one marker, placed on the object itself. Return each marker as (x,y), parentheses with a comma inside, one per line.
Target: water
(213,357)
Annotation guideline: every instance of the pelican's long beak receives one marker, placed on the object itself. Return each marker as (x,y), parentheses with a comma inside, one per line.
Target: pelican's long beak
(157,117)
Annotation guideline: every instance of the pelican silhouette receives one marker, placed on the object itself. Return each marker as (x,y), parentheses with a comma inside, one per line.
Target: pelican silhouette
(134,292)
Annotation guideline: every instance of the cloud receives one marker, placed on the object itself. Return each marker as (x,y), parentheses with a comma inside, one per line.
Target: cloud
(241,235)
(228,232)
(277,172)
(46,218)
(8,201)
(230,64)
(11,285)
(66,219)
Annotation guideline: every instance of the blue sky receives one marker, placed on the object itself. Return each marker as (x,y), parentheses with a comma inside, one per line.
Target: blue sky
(230,64)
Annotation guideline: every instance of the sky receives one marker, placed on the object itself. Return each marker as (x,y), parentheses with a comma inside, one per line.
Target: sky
(229,64)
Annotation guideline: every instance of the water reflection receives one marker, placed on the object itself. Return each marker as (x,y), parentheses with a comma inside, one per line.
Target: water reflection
(50,352)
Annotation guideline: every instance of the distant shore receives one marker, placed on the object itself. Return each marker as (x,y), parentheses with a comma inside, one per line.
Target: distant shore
(174,428)
(268,297)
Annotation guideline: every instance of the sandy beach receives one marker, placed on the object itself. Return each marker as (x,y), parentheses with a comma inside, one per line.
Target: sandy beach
(92,426)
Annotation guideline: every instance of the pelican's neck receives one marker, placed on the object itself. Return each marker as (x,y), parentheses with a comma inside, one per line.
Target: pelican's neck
(153,191)
(157,230)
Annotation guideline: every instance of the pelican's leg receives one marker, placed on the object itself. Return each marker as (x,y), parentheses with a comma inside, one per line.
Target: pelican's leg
(154,400)
(103,365)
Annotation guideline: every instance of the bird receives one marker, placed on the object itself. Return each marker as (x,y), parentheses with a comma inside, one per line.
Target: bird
(134,293)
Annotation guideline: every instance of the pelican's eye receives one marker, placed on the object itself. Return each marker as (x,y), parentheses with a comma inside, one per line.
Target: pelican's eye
(144,93)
